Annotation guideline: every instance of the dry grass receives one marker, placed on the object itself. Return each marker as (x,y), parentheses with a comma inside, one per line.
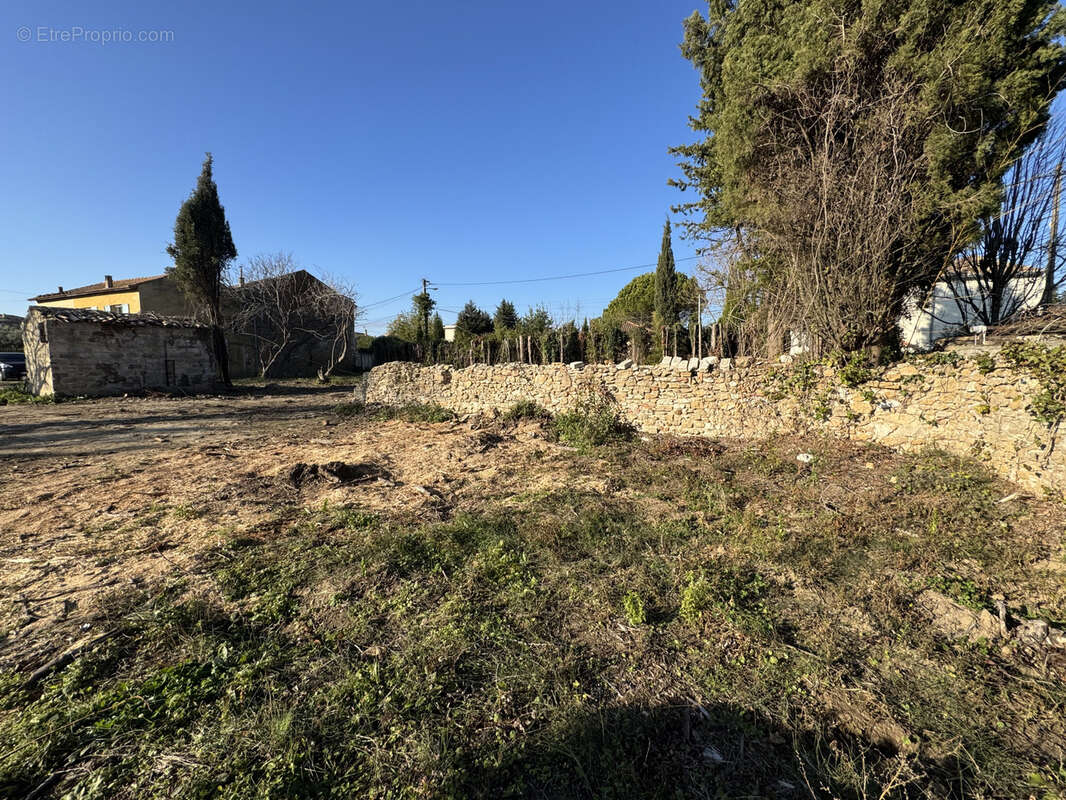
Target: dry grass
(459,617)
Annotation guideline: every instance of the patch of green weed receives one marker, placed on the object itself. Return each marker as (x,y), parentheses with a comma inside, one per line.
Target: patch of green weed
(593,422)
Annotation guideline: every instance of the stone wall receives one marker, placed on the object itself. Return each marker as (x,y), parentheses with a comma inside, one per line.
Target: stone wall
(960,408)
(78,352)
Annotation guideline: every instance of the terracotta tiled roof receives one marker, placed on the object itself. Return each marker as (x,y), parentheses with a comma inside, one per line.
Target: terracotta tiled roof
(89,315)
(96,288)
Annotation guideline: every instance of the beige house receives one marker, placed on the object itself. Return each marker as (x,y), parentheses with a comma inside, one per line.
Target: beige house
(157,294)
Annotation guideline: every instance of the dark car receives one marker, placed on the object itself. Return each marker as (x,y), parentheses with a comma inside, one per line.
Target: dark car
(12,366)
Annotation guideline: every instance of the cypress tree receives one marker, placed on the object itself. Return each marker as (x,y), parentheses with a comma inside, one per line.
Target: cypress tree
(850,147)
(202,250)
(472,321)
(436,330)
(423,305)
(666,284)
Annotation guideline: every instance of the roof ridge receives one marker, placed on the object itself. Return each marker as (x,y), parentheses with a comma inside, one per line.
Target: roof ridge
(99,288)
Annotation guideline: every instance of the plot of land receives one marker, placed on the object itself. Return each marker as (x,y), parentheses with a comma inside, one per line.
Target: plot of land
(276,595)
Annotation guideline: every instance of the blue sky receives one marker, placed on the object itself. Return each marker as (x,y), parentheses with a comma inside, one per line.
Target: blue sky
(380,142)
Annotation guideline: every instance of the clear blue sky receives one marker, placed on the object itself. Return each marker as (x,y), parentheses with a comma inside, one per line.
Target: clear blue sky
(382,142)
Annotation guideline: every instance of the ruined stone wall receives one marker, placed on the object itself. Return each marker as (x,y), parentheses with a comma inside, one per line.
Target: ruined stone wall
(959,408)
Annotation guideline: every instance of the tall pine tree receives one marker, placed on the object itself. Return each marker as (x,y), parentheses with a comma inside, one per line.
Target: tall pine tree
(505,318)
(202,250)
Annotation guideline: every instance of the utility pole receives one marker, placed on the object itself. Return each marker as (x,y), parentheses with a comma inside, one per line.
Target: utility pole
(1053,242)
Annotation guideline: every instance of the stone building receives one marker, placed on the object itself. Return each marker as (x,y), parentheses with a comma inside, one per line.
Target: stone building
(246,308)
(288,325)
(71,352)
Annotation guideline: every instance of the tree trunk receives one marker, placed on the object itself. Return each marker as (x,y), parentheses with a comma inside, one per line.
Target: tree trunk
(218,341)
(775,338)
(1053,243)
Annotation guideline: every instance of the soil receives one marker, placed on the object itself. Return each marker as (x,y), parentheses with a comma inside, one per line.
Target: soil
(101,494)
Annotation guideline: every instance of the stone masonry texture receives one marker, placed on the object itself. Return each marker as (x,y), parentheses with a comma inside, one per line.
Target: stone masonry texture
(93,358)
(908,406)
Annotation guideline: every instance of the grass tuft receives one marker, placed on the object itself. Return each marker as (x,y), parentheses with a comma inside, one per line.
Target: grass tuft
(525,409)
(415,412)
(11,395)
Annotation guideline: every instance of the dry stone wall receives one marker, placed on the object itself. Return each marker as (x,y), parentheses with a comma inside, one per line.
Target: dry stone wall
(960,408)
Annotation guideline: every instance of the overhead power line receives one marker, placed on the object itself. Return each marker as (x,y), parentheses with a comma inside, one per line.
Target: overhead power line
(390,299)
(562,277)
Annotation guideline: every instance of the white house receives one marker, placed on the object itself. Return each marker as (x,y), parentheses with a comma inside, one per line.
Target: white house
(936,314)
(940,315)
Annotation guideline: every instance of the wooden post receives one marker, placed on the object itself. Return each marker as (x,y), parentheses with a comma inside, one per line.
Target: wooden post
(699,325)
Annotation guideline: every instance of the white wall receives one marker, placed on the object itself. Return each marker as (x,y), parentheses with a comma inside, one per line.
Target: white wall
(941,316)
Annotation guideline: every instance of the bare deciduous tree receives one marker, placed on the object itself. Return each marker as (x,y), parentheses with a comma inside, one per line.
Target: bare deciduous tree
(282,307)
(337,303)
(1015,263)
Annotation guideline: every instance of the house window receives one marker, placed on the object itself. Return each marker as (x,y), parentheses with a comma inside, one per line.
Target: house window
(42,332)
(121,308)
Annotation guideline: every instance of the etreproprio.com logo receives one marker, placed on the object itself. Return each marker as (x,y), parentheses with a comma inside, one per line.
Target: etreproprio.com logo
(76,34)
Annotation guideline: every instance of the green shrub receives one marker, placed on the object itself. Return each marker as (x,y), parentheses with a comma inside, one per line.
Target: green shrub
(1048,365)
(985,363)
(525,409)
(633,607)
(592,422)
(855,372)
(821,410)
(941,358)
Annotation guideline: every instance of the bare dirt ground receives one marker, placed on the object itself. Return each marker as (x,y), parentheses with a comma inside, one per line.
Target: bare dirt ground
(105,493)
(285,586)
